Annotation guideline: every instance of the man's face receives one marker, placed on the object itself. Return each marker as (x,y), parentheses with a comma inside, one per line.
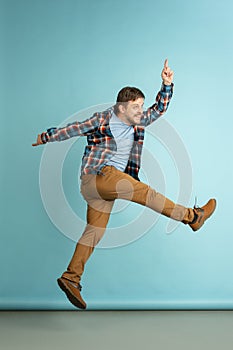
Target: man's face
(132,111)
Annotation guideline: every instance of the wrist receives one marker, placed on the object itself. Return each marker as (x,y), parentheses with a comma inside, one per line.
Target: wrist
(43,137)
(167,83)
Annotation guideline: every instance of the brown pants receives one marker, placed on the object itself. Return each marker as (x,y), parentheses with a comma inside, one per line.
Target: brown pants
(100,192)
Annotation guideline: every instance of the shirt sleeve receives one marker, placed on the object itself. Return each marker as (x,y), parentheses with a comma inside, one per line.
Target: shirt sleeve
(84,128)
(160,106)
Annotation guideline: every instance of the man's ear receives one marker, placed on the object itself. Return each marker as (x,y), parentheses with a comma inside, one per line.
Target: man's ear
(121,108)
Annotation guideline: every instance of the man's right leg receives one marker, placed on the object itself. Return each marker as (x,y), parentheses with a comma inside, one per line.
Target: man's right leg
(97,220)
(98,213)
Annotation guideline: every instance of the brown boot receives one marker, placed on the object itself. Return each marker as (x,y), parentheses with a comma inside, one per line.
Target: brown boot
(202,214)
(72,292)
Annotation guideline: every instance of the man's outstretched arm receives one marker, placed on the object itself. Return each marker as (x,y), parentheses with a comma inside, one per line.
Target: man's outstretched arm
(70,130)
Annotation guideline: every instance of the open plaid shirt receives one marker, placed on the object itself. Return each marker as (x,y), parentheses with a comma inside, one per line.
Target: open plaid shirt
(101,145)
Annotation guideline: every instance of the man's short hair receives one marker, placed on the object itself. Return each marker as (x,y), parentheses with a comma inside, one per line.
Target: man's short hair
(127,94)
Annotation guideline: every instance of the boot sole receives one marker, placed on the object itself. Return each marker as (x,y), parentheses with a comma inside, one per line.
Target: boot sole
(72,298)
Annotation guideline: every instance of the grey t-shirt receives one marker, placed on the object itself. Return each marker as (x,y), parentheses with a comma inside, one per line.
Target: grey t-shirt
(124,137)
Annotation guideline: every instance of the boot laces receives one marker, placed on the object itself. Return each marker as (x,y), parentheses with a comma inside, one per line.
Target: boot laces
(195,204)
(78,286)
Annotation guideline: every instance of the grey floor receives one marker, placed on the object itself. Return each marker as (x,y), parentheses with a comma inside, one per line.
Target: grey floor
(112,330)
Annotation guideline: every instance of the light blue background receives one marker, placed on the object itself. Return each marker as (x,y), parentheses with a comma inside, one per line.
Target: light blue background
(59,57)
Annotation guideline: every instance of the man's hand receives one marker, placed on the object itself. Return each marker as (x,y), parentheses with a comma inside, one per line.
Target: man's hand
(167,74)
(38,141)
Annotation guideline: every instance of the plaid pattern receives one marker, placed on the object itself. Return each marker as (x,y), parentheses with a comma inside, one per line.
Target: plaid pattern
(101,145)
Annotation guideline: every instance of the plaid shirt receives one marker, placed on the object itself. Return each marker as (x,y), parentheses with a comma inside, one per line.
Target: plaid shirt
(101,145)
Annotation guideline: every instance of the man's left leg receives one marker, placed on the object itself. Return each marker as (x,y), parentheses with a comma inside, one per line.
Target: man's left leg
(116,184)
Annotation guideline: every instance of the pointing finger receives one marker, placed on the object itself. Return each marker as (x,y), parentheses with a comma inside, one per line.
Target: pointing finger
(166,63)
